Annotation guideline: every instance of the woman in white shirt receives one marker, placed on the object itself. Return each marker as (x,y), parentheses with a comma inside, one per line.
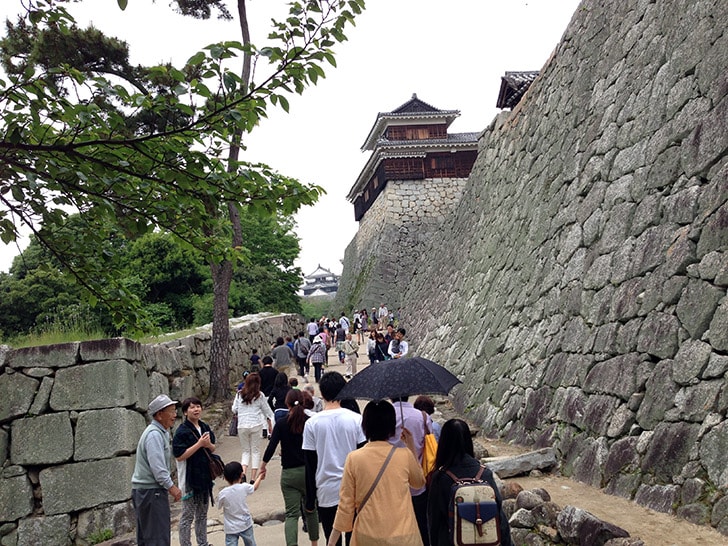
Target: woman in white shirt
(254,414)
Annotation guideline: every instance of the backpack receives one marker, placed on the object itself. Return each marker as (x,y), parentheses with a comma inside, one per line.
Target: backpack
(473,514)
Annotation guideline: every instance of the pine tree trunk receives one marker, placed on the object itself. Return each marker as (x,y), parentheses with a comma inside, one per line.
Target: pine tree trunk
(220,342)
(222,274)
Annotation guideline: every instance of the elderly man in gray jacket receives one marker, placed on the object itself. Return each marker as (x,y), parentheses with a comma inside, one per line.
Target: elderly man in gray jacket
(152,482)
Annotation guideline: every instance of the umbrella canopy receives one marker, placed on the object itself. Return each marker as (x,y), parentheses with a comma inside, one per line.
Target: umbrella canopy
(398,378)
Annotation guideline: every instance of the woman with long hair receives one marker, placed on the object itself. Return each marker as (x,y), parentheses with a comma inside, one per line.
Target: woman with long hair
(254,414)
(455,454)
(288,431)
(375,489)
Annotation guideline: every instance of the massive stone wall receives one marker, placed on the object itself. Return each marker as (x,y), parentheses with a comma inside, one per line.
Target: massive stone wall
(579,288)
(380,259)
(71,416)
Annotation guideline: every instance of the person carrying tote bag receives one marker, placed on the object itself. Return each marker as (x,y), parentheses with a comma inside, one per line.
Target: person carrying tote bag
(376,479)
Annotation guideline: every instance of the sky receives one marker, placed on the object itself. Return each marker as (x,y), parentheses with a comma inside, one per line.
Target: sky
(451,54)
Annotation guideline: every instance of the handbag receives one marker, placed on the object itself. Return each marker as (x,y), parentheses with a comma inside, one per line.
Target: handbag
(217,466)
(429,450)
(215,462)
(233,428)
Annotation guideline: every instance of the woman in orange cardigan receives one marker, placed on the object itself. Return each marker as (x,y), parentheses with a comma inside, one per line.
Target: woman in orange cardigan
(382,518)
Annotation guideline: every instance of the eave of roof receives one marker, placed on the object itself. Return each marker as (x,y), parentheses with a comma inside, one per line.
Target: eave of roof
(387,149)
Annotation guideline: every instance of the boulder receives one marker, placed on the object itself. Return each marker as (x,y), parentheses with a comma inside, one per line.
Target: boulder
(506,467)
(578,526)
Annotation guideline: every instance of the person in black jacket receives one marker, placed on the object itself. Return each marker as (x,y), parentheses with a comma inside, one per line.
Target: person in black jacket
(289,433)
(190,441)
(455,453)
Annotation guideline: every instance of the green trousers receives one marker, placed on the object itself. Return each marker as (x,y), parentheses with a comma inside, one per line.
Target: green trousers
(293,487)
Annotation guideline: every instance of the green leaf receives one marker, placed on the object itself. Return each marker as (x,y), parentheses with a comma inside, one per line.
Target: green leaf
(122,4)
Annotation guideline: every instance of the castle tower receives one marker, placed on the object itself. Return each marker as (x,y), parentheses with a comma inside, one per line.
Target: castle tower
(412,180)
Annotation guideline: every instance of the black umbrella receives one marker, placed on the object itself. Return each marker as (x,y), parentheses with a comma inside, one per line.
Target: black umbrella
(398,378)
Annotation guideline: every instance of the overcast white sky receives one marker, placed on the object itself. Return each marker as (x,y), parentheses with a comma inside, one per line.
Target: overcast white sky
(452,54)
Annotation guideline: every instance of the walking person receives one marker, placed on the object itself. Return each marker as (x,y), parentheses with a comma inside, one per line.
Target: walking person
(376,478)
(282,356)
(288,431)
(328,437)
(417,424)
(254,414)
(317,356)
(301,348)
(351,354)
(233,501)
(340,336)
(151,482)
(190,441)
(455,455)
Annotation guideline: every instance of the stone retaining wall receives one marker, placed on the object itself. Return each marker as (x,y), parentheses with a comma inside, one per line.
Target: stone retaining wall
(71,416)
(380,259)
(579,288)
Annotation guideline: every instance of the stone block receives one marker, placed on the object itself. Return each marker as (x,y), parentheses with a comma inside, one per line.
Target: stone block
(714,453)
(158,384)
(695,402)
(621,376)
(142,387)
(4,442)
(697,305)
(696,513)
(94,386)
(658,335)
(182,387)
(717,366)
(707,141)
(54,530)
(622,458)
(45,439)
(107,433)
(16,497)
(77,486)
(690,360)
(669,450)
(16,392)
(118,348)
(42,397)
(662,498)
(117,517)
(718,327)
(60,355)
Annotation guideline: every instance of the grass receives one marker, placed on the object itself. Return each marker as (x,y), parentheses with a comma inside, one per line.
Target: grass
(53,337)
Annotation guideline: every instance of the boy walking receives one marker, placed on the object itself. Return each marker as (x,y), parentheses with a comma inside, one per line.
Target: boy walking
(232,500)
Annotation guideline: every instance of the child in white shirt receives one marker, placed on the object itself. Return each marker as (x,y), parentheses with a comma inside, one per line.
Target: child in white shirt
(233,502)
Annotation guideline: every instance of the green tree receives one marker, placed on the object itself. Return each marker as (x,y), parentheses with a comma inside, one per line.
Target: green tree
(139,149)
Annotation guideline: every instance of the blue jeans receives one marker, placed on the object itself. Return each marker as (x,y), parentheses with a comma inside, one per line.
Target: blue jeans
(247,536)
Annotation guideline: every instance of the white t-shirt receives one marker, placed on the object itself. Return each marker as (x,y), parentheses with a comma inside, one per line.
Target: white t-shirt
(236,514)
(332,434)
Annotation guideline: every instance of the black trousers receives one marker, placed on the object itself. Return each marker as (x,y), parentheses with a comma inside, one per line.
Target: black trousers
(419,503)
(326,518)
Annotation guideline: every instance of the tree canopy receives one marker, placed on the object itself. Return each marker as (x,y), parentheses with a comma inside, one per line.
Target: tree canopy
(138,149)
(171,280)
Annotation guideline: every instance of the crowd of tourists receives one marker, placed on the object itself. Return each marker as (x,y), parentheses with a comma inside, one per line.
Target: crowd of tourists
(341,471)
